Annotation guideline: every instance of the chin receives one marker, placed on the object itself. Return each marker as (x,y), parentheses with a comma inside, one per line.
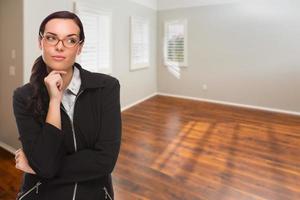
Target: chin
(59,66)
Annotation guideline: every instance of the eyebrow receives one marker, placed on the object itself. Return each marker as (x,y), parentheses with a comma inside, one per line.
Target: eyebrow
(66,36)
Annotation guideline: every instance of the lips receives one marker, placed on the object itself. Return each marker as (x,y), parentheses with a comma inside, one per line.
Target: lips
(58,57)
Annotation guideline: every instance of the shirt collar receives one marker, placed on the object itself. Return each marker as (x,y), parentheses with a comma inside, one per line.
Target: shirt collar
(75,82)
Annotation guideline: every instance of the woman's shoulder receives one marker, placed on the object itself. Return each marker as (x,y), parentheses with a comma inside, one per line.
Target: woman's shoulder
(96,79)
(106,79)
(23,91)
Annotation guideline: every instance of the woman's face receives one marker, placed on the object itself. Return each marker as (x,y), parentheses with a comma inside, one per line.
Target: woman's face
(60,56)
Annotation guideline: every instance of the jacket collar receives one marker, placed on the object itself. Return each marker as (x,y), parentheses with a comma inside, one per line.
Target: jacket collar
(74,85)
(89,79)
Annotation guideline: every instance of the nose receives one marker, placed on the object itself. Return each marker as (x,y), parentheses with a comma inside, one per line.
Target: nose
(60,46)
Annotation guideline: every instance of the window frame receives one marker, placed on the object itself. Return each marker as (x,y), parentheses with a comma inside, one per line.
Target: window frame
(133,64)
(88,8)
(167,62)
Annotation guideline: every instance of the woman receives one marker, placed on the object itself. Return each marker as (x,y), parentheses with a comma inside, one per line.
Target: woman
(68,119)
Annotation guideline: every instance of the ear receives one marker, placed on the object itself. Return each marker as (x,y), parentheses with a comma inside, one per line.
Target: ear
(79,48)
(40,43)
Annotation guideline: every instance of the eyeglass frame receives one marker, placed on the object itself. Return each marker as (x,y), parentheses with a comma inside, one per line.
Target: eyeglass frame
(62,40)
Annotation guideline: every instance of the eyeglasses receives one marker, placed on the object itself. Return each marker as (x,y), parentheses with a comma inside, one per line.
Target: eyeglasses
(68,42)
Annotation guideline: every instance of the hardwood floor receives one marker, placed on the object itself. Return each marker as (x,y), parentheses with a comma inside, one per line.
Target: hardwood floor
(10,177)
(183,150)
(176,149)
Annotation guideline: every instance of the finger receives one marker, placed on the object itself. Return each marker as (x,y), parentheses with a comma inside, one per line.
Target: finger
(53,77)
(60,84)
(57,72)
(18,154)
(54,80)
(21,152)
(62,73)
(57,79)
(19,167)
(17,151)
(54,74)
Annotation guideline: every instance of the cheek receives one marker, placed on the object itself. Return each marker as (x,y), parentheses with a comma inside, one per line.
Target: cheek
(72,56)
(46,53)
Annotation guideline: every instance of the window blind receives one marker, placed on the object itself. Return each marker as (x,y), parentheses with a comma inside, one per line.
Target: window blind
(175,43)
(139,42)
(96,54)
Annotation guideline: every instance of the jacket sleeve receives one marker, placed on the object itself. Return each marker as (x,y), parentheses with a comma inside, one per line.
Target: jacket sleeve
(94,163)
(42,144)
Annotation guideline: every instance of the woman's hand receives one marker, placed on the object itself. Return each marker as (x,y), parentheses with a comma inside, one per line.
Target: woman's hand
(22,162)
(54,84)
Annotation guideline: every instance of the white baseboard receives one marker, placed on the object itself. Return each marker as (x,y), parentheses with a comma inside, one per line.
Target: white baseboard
(7,147)
(232,104)
(137,102)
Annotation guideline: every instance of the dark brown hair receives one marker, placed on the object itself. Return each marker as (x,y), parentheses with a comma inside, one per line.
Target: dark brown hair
(40,98)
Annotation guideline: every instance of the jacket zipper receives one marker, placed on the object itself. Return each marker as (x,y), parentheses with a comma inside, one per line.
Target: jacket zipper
(36,186)
(107,196)
(74,137)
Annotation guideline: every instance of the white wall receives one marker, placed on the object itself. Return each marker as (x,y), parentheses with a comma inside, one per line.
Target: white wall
(173,4)
(11,38)
(246,53)
(148,3)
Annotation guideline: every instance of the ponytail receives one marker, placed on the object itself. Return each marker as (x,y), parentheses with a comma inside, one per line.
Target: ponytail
(40,99)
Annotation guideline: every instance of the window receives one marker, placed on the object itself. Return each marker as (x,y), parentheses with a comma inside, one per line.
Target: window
(175,43)
(96,54)
(139,43)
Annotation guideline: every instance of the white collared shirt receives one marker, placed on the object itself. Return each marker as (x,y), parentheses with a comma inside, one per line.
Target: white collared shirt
(70,93)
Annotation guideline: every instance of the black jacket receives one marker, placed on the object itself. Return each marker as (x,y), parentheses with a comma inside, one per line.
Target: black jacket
(51,152)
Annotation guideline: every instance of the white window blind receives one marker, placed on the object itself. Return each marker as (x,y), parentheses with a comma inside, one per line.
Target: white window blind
(139,43)
(175,43)
(96,54)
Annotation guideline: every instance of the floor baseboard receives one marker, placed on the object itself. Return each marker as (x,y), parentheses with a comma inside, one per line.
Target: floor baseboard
(7,147)
(139,101)
(233,104)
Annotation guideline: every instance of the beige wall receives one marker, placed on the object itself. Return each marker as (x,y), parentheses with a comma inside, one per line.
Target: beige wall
(246,53)
(11,29)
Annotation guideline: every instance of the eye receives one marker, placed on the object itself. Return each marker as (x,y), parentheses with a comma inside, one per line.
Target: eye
(72,40)
(50,38)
